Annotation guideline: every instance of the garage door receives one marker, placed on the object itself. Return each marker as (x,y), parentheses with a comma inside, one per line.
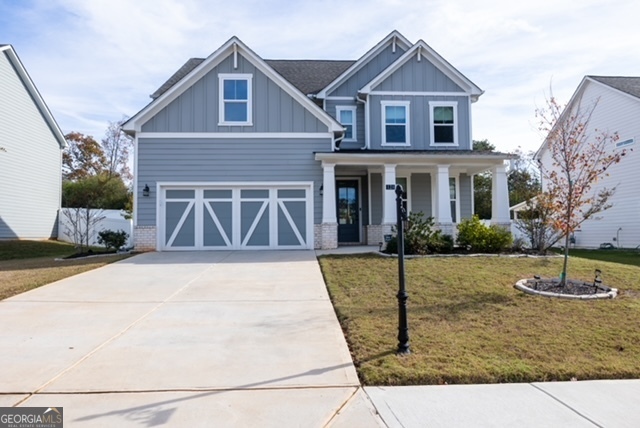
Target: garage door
(241,217)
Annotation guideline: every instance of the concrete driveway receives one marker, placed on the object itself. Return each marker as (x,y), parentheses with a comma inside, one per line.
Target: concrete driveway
(184,339)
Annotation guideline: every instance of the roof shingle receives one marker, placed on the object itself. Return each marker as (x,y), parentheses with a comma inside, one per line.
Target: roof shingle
(309,76)
(629,85)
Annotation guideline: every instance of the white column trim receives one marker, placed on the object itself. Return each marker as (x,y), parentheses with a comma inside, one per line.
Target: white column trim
(443,201)
(329,193)
(499,195)
(389,195)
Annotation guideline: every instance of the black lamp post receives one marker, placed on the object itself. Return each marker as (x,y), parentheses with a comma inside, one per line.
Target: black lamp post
(403,326)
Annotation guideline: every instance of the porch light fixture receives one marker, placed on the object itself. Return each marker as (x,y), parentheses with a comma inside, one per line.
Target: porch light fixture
(321,189)
(145,191)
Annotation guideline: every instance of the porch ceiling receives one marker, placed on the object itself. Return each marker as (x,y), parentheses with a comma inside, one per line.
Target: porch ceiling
(466,161)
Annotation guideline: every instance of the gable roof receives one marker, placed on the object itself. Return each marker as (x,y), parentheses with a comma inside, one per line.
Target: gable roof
(423,49)
(629,85)
(35,95)
(309,76)
(201,68)
(393,38)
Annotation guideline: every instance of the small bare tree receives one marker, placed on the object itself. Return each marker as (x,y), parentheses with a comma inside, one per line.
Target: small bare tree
(535,223)
(116,146)
(580,157)
(80,224)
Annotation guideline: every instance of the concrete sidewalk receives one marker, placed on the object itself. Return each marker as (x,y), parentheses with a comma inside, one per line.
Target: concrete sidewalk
(184,339)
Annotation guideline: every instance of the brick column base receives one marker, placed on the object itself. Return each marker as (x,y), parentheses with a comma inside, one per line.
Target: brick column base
(325,236)
(144,238)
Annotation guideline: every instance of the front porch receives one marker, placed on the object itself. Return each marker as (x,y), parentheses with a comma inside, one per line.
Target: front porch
(358,197)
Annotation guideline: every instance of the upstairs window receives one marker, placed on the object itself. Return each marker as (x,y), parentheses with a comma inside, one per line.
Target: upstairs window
(235,99)
(395,123)
(346,115)
(444,126)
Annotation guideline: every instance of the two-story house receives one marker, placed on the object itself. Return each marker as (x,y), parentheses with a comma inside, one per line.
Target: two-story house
(237,152)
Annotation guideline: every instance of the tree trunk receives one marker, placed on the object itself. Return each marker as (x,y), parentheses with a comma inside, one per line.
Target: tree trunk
(563,275)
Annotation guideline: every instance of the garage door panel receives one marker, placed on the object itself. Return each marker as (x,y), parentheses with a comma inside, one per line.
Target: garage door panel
(291,222)
(183,233)
(258,216)
(217,224)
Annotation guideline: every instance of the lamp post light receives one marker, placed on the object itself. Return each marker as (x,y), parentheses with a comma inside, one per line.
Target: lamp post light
(403,326)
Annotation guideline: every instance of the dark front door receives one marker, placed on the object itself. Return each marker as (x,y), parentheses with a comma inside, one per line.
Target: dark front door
(348,205)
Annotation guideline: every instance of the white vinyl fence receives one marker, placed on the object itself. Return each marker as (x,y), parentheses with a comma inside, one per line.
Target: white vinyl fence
(110,220)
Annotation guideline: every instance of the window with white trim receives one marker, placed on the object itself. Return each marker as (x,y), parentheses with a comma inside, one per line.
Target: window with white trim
(395,123)
(346,115)
(443,123)
(235,99)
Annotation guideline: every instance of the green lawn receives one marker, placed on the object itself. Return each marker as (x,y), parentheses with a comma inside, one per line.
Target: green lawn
(469,325)
(25,265)
(626,257)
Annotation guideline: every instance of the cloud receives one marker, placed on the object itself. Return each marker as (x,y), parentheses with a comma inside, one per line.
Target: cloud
(96,60)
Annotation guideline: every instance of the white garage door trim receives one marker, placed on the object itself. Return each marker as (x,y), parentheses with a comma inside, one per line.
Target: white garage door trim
(270,205)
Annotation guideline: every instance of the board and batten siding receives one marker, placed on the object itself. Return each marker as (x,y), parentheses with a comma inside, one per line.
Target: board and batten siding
(419,122)
(197,108)
(615,112)
(466,195)
(30,169)
(331,105)
(364,75)
(219,160)
(420,76)
(421,194)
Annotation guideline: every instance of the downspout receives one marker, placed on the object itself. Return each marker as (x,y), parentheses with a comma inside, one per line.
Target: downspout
(365,102)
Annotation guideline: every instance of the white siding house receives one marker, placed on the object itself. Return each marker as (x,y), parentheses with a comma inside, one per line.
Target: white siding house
(30,164)
(617,110)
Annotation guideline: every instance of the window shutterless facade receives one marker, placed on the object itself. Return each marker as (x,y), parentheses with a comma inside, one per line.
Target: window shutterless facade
(235,94)
(346,115)
(443,123)
(395,123)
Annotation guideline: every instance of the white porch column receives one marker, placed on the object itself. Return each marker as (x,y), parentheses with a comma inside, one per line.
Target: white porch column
(443,199)
(329,193)
(499,196)
(389,195)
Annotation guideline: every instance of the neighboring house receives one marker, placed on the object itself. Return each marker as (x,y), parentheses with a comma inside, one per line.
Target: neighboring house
(239,152)
(30,165)
(617,110)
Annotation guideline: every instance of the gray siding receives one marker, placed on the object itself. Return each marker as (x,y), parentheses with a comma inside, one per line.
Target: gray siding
(420,134)
(331,105)
(196,109)
(30,169)
(238,160)
(421,194)
(370,70)
(418,76)
(376,198)
(466,195)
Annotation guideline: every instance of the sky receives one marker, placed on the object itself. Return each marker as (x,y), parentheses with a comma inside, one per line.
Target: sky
(95,61)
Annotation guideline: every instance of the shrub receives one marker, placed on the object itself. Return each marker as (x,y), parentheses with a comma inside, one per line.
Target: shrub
(420,238)
(111,239)
(477,237)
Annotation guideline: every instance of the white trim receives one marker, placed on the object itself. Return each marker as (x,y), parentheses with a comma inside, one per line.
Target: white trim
(456,123)
(190,204)
(265,203)
(215,219)
(432,56)
(273,202)
(456,184)
(369,196)
(135,123)
(420,93)
(367,123)
(338,99)
(473,195)
(135,183)
(234,135)
(407,106)
(393,37)
(354,126)
(221,101)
